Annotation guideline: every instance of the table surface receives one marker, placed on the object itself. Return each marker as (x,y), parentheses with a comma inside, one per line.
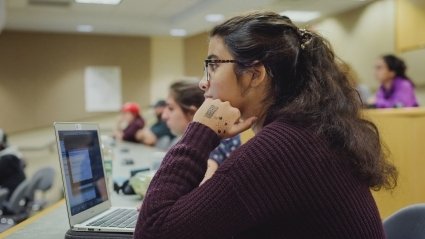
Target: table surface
(53,221)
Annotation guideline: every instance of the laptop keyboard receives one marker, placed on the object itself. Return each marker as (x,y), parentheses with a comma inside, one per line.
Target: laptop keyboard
(122,218)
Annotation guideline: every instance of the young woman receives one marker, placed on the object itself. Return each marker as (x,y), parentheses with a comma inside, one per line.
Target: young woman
(307,172)
(129,122)
(184,99)
(396,89)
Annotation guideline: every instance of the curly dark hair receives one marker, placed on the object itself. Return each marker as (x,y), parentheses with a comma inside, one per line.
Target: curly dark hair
(308,86)
(397,65)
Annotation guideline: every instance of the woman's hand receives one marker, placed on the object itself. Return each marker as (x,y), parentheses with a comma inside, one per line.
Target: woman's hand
(222,118)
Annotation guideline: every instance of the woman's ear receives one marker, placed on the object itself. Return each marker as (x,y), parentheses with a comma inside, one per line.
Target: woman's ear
(258,75)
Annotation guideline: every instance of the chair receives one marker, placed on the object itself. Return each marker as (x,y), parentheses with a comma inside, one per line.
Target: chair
(16,204)
(15,209)
(41,180)
(407,223)
(4,192)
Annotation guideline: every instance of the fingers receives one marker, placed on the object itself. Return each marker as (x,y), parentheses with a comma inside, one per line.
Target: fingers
(222,118)
(235,112)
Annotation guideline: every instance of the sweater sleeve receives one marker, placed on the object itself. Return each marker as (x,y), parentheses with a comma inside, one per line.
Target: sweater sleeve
(129,133)
(381,102)
(175,207)
(405,95)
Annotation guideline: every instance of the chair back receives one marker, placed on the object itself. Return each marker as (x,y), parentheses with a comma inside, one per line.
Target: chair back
(4,192)
(407,223)
(17,201)
(41,180)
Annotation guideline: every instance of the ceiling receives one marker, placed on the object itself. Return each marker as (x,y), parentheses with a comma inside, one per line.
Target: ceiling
(148,17)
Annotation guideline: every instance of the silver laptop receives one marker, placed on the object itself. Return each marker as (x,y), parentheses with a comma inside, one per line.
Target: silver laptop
(83,175)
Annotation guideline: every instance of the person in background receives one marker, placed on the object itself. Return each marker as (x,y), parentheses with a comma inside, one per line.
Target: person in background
(160,128)
(11,165)
(184,99)
(307,172)
(396,88)
(158,131)
(129,122)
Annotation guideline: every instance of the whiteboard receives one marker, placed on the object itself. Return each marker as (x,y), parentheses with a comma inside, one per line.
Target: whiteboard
(103,88)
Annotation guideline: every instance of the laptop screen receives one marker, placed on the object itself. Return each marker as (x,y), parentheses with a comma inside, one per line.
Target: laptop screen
(83,169)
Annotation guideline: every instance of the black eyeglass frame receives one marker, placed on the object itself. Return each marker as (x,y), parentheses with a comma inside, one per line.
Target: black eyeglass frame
(212,61)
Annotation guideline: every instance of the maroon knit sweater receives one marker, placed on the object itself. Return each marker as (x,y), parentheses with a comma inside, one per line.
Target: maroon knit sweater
(285,182)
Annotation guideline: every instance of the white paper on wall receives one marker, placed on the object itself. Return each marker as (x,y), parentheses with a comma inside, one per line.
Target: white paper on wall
(103,88)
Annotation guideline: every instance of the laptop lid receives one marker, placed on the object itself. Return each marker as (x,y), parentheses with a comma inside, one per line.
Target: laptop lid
(83,175)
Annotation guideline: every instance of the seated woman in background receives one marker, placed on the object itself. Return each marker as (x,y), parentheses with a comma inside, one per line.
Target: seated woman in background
(396,89)
(129,122)
(184,99)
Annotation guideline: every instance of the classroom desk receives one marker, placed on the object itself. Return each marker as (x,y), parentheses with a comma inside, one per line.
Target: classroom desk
(52,223)
(403,132)
(142,157)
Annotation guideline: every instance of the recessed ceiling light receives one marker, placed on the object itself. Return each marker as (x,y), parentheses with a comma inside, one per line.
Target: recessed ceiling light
(85,28)
(214,17)
(301,16)
(111,2)
(177,32)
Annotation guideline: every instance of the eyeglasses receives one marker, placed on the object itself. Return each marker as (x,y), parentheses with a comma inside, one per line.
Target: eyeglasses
(210,66)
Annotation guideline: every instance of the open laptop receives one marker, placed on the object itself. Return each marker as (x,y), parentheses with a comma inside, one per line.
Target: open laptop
(83,175)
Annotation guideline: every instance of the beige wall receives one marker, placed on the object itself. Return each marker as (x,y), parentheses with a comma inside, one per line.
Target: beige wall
(195,52)
(42,75)
(167,64)
(361,35)
(174,59)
